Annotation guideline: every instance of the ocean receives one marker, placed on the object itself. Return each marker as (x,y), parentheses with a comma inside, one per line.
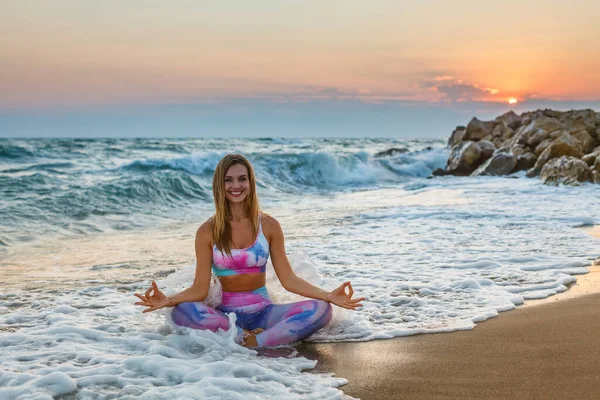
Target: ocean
(85,223)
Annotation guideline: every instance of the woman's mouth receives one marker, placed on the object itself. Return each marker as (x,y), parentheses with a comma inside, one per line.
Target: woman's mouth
(236,193)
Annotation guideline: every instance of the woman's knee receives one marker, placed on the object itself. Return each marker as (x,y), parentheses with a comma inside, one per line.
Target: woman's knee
(189,307)
(199,316)
(323,311)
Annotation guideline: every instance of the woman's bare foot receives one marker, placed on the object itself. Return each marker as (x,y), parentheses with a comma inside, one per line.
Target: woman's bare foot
(250,337)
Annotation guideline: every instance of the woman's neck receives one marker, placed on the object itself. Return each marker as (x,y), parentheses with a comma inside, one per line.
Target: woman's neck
(236,211)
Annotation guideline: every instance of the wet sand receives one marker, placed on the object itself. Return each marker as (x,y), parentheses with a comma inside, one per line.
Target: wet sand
(544,350)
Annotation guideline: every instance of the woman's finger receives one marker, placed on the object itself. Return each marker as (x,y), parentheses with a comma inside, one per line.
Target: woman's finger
(147,294)
(356,300)
(351,290)
(352,306)
(139,296)
(142,303)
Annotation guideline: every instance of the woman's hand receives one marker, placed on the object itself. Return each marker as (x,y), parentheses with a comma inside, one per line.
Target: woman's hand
(340,298)
(153,301)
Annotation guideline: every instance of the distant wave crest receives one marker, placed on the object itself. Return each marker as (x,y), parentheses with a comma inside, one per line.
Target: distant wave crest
(64,185)
(319,170)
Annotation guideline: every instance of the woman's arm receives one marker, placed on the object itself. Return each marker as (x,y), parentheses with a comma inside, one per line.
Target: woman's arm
(292,282)
(155,299)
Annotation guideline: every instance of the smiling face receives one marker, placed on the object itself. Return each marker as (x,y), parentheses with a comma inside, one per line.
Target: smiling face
(234,184)
(237,183)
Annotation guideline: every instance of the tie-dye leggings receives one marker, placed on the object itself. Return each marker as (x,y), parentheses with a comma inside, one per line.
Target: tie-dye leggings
(283,323)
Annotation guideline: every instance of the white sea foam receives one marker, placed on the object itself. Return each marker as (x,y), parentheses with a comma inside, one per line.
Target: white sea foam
(91,343)
(430,255)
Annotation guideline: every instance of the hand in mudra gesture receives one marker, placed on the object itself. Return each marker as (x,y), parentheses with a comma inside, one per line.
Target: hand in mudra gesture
(340,298)
(153,299)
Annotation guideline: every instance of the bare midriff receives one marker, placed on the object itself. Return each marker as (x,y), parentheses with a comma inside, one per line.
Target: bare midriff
(243,283)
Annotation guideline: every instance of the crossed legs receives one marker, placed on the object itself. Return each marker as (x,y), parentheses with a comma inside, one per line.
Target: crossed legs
(282,323)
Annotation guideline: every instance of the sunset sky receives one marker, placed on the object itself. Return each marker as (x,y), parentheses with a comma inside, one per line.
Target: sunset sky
(276,68)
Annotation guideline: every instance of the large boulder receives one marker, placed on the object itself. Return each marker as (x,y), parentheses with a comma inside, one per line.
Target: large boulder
(546,124)
(509,120)
(581,120)
(565,170)
(518,140)
(487,149)
(464,158)
(525,162)
(586,142)
(477,130)
(457,136)
(537,138)
(539,149)
(500,134)
(499,164)
(565,145)
(590,159)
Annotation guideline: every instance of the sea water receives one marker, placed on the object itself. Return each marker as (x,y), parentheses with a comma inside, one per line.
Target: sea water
(86,223)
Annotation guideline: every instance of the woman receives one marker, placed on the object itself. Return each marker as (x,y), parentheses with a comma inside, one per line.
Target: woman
(236,243)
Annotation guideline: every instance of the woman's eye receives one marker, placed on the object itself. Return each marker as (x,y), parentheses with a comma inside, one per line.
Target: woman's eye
(228,180)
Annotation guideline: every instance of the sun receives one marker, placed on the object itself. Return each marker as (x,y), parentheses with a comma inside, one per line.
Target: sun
(512,101)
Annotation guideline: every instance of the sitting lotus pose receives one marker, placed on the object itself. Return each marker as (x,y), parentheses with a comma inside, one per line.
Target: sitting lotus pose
(236,243)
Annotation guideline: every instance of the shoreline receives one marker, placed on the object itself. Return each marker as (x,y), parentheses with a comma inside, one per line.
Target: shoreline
(543,349)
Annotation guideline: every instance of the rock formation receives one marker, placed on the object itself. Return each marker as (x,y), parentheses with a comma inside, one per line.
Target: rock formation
(562,147)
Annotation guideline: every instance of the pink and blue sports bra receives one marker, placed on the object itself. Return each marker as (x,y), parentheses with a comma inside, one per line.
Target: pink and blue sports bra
(249,260)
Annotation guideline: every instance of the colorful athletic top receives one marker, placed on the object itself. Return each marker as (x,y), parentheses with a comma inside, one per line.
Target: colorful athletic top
(250,260)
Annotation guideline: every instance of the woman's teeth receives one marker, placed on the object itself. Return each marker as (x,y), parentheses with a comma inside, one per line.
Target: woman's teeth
(236,193)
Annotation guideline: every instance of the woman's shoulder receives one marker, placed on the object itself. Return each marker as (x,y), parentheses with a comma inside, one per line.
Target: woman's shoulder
(270,225)
(268,219)
(204,231)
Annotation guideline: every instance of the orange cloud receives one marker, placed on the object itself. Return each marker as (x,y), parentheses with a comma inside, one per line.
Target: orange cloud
(452,89)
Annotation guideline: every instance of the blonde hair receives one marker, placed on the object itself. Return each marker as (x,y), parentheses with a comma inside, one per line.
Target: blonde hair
(221,228)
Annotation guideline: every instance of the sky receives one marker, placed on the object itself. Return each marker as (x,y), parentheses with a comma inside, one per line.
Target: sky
(289,68)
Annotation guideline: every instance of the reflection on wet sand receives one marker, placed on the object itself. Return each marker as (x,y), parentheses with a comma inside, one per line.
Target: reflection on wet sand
(115,257)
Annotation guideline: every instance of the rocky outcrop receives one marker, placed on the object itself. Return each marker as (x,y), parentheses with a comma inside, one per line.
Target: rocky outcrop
(529,142)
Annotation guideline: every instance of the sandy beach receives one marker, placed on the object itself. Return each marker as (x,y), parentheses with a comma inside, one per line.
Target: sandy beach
(546,349)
